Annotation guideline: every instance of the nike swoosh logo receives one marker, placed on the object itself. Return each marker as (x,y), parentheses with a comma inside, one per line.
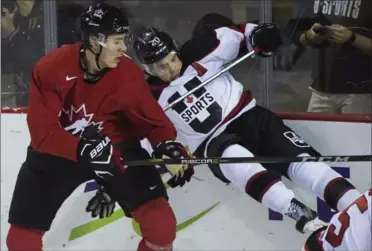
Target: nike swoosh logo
(70,78)
(153,187)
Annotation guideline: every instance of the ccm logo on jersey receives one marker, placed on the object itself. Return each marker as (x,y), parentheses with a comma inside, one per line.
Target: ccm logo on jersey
(97,151)
(202,103)
(196,161)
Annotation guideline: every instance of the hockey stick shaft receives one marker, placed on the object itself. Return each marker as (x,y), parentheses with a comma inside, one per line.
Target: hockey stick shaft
(198,161)
(249,54)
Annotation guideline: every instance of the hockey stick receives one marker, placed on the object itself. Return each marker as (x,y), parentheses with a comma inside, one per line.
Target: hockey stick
(249,54)
(216,160)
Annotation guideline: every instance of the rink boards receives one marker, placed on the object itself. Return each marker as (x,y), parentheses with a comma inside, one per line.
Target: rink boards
(210,214)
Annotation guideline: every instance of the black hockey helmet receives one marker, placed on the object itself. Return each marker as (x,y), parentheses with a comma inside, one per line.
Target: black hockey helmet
(102,20)
(152,45)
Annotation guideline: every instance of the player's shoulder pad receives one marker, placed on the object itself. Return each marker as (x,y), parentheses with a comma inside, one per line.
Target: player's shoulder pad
(156,86)
(125,55)
(130,74)
(198,47)
(58,57)
(128,65)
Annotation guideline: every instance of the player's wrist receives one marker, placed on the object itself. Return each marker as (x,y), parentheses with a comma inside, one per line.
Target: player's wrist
(309,37)
(352,39)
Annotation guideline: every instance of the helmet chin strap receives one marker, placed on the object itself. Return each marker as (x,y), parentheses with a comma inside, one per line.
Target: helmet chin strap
(97,55)
(148,69)
(93,77)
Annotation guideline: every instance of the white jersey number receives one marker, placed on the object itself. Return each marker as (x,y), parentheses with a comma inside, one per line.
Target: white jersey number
(191,114)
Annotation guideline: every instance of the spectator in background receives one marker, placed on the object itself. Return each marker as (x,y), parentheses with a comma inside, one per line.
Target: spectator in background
(22,42)
(68,26)
(339,34)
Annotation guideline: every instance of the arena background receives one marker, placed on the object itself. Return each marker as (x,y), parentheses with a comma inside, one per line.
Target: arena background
(275,82)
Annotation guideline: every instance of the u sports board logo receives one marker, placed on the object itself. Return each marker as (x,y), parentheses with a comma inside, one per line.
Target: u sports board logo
(324,211)
(90,227)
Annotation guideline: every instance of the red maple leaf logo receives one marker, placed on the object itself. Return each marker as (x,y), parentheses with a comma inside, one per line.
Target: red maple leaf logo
(189,99)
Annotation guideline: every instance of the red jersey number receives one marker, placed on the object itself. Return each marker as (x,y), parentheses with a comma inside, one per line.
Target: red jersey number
(344,218)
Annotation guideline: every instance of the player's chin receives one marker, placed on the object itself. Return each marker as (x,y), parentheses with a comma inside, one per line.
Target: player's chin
(113,64)
(174,77)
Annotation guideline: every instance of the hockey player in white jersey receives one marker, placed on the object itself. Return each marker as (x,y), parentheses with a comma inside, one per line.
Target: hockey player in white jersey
(223,120)
(349,229)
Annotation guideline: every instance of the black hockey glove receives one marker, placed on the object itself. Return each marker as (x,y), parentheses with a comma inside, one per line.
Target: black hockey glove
(101,204)
(96,152)
(181,173)
(267,38)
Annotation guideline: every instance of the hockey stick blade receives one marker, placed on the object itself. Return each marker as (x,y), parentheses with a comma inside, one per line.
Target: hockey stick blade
(199,161)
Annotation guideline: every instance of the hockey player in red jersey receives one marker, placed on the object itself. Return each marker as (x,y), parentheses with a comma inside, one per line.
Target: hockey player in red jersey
(222,120)
(350,229)
(88,102)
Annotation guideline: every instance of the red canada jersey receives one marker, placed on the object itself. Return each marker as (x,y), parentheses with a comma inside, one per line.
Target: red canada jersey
(62,104)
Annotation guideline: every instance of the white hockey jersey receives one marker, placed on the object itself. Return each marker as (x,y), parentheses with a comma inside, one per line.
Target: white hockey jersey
(206,113)
(347,230)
